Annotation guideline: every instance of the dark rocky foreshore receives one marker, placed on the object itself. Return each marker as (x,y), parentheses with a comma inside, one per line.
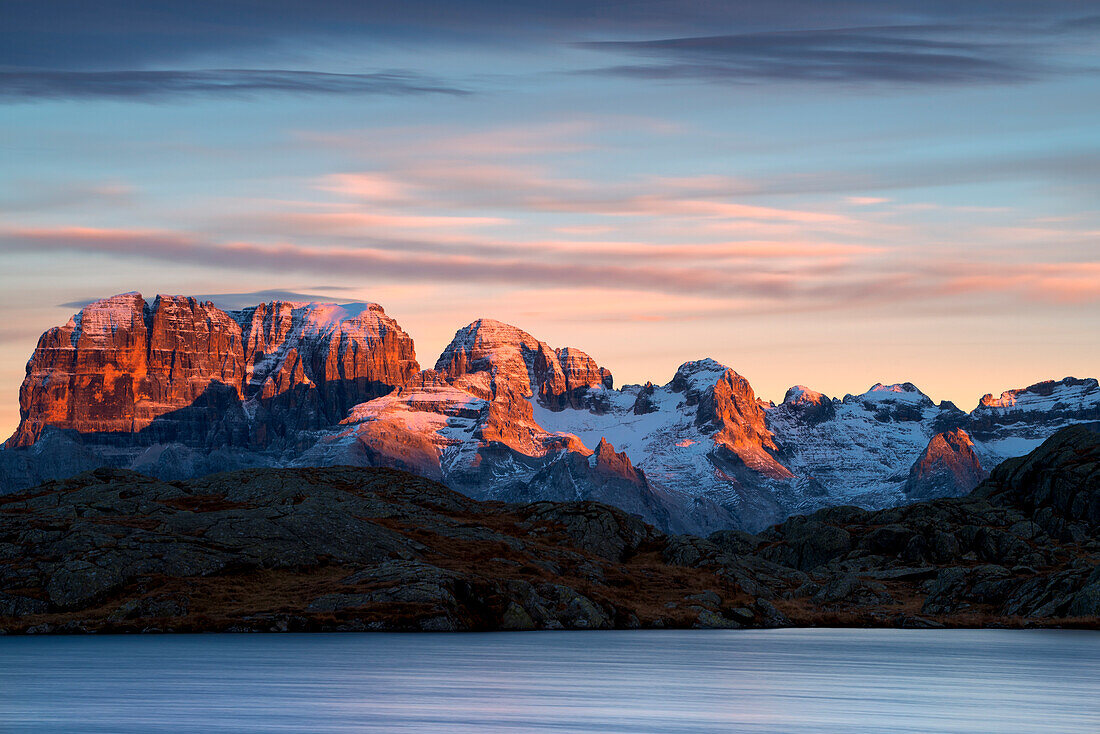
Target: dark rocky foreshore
(376,549)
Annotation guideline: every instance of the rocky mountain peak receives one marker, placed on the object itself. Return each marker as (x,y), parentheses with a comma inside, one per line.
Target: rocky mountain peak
(504,351)
(177,387)
(899,402)
(802,395)
(948,467)
(521,366)
(807,405)
(611,462)
(696,377)
(903,392)
(731,408)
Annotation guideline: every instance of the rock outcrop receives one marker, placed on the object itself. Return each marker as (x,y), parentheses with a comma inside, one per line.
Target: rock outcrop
(948,467)
(809,405)
(333,549)
(1058,484)
(731,409)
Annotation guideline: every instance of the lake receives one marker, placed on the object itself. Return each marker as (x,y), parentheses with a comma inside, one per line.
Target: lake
(820,681)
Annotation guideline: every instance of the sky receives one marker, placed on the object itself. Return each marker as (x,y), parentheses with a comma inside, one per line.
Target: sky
(829,194)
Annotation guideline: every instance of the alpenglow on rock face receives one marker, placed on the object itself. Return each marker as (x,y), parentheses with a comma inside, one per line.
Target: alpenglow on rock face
(948,467)
(177,389)
(180,370)
(516,362)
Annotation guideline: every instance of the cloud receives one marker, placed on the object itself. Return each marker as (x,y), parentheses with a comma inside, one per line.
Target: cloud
(658,205)
(33,196)
(448,142)
(373,262)
(29,85)
(897,55)
(373,186)
(1073,283)
(88,35)
(444,236)
(348,221)
(529,188)
(18,333)
(792,288)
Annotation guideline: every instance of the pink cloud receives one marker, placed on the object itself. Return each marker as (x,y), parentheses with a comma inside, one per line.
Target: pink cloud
(585,229)
(657,206)
(460,183)
(372,186)
(1061,283)
(177,247)
(363,221)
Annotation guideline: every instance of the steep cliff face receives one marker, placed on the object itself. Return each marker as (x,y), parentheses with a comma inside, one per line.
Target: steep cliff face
(307,365)
(121,363)
(730,407)
(181,370)
(948,467)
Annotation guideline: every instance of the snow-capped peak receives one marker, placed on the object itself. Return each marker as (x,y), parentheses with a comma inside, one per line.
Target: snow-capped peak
(903,392)
(323,316)
(697,375)
(801,395)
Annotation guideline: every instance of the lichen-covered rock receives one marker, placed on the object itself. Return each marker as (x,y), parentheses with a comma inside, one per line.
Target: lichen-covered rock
(13,605)
(806,543)
(601,530)
(1057,485)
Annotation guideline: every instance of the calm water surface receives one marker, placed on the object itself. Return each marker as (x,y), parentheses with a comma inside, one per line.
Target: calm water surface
(821,681)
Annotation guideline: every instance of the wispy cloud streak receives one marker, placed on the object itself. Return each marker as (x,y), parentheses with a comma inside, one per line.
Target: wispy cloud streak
(152,85)
(789,289)
(174,247)
(900,55)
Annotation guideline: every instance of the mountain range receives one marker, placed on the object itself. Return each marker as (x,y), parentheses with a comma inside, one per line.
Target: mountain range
(177,388)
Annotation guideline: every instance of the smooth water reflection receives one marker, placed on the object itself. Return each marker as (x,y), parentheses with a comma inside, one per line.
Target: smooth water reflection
(821,681)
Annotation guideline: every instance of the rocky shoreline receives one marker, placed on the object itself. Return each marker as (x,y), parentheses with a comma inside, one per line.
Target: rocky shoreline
(354,549)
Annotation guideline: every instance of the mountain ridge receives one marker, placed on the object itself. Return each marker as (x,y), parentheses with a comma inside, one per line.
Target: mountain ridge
(179,388)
